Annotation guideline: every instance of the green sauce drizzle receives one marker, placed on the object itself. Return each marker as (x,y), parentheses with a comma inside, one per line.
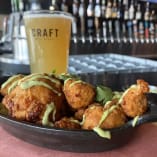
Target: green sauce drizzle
(49,108)
(13,85)
(135,121)
(45,77)
(75,82)
(31,80)
(67,80)
(29,84)
(39,75)
(9,80)
(83,120)
(107,103)
(54,114)
(106,113)
(29,76)
(102,133)
(98,130)
(121,99)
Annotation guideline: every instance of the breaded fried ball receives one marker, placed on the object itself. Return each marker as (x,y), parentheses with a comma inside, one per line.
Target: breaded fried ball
(79,114)
(107,117)
(79,94)
(117,116)
(134,101)
(67,123)
(92,116)
(34,97)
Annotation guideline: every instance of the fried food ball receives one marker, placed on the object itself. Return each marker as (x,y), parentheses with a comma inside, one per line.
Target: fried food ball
(5,87)
(79,94)
(79,114)
(67,123)
(33,96)
(107,117)
(117,116)
(134,101)
(92,116)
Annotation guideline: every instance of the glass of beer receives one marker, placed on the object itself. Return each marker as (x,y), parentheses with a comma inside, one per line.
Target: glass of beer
(48,37)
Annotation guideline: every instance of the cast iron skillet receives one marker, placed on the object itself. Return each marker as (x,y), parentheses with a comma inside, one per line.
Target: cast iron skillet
(77,140)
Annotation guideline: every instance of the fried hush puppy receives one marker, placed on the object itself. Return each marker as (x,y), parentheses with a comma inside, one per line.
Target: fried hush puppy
(107,117)
(68,123)
(79,114)
(35,96)
(44,99)
(134,101)
(78,94)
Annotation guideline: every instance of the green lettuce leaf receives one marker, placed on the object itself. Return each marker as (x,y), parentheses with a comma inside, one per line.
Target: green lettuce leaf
(103,94)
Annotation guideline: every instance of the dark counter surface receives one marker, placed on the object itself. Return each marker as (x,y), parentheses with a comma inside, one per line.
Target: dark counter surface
(116,71)
(87,63)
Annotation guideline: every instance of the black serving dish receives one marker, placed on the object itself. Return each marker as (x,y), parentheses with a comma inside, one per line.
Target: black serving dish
(77,140)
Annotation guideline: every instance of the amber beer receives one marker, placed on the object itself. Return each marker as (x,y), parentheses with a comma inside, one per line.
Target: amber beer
(48,36)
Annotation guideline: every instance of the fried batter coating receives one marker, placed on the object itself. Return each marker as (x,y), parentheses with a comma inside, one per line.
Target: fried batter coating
(29,99)
(43,99)
(67,123)
(12,80)
(134,101)
(79,94)
(117,116)
(110,116)
(79,114)
(92,116)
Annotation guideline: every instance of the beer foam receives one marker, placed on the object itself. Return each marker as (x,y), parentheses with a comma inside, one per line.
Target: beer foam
(49,15)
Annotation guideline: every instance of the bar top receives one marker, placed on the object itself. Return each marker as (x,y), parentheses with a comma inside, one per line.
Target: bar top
(143,144)
(93,63)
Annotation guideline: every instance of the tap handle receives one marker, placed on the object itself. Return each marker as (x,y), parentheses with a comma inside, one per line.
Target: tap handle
(124,32)
(110,31)
(146,24)
(117,29)
(129,25)
(105,31)
(74,30)
(135,31)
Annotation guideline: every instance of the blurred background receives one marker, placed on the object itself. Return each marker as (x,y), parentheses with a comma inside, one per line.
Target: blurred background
(126,27)
(117,26)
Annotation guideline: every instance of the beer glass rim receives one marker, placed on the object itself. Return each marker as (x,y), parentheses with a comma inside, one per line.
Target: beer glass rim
(48,12)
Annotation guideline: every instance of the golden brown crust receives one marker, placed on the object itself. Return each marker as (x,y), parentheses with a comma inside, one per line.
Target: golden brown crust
(67,123)
(94,113)
(29,104)
(115,119)
(134,102)
(74,99)
(4,91)
(79,114)
(78,95)
(92,116)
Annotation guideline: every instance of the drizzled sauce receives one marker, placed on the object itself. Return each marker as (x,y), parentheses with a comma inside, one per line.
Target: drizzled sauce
(132,87)
(97,129)
(12,86)
(10,80)
(100,131)
(49,109)
(30,81)
(38,76)
(105,114)
(67,80)
(76,82)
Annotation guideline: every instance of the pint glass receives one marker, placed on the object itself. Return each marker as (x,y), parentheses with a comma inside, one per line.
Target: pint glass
(48,36)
